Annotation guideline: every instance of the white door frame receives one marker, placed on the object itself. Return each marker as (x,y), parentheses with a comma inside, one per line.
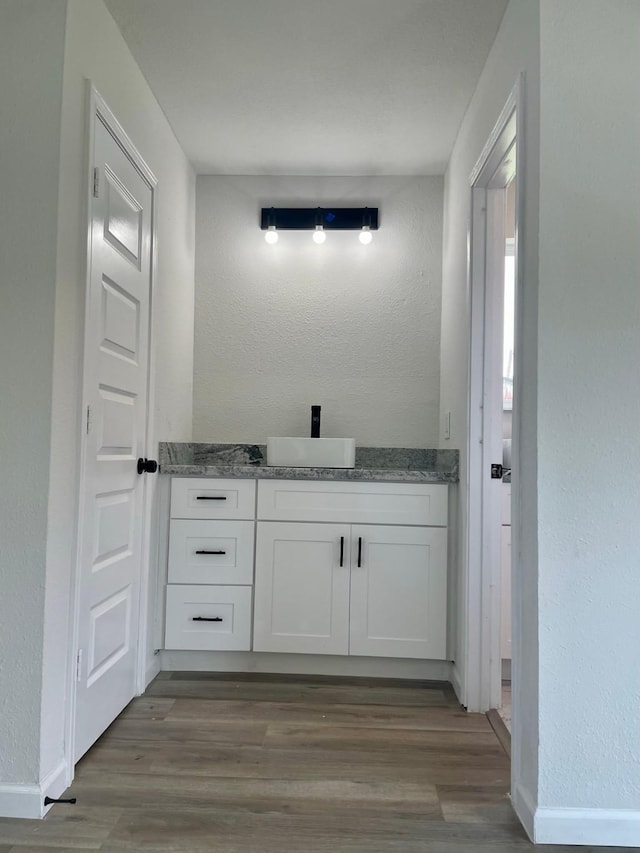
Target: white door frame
(482,581)
(98,110)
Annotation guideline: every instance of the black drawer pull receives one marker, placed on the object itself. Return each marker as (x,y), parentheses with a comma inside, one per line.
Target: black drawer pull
(211,497)
(341,551)
(211,552)
(359,551)
(207,619)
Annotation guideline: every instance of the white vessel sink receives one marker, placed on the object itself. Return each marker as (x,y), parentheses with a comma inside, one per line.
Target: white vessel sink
(293,452)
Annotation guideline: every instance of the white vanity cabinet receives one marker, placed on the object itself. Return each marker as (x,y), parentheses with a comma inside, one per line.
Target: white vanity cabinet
(210,572)
(351,568)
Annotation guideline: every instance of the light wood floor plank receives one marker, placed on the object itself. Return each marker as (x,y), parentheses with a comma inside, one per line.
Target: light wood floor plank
(359,716)
(148,708)
(302,692)
(180,731)
(67,827)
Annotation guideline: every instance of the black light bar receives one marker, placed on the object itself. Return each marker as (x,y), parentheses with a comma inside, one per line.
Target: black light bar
(309,218)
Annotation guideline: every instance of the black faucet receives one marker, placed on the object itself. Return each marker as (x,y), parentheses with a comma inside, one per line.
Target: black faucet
(315,421)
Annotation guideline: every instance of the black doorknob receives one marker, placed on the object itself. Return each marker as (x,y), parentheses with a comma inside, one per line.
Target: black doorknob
(147,466)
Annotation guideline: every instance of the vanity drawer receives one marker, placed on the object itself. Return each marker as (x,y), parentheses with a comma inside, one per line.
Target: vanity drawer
(208,618)
(353,503)
(205,551)
(204,497)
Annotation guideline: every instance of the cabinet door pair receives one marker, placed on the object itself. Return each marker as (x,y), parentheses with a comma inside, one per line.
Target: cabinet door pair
(311,596)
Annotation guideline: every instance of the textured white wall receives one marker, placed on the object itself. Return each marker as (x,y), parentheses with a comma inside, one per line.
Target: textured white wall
(96,51)
(31,59)
(516,49)
(353,328)
(589,405)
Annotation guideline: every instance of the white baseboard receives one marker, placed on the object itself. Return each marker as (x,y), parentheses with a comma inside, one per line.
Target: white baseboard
(524,807)
(266,662)
(18,800)
(55,783)
(593,827)
(27,801)
(152,669)
(456,683)
(590,827)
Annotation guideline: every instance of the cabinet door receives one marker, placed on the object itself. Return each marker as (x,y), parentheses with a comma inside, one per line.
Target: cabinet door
(398,592)
(301,590)
(505,628)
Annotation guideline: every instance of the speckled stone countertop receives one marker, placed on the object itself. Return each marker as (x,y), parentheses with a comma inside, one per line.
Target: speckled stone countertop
(385,464)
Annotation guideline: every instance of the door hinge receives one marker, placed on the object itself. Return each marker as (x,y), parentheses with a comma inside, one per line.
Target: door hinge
(88,419)
(96,182)
(79,665)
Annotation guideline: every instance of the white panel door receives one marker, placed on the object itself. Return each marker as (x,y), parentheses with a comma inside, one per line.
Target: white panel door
(302,588)
(115,388)
(398,592)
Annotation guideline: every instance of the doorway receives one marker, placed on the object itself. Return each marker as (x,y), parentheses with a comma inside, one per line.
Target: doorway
(495,280)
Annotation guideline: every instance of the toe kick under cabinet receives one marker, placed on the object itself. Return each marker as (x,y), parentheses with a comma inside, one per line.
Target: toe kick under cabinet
(351,569)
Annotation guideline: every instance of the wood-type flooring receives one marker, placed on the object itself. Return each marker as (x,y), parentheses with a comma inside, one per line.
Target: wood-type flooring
(282,764)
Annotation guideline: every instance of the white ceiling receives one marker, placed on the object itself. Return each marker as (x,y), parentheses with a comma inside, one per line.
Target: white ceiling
(312,87)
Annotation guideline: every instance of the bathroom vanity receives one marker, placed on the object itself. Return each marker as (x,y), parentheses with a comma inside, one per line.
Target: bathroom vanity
(319,562)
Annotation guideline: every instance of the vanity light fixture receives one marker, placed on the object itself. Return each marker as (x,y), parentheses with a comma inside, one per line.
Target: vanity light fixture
(319,220)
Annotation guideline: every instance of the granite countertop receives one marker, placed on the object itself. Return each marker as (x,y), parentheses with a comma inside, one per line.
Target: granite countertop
(385,464)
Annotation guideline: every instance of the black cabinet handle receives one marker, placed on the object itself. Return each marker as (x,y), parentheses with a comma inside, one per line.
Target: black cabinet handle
(211,552)
(211,497)
(207,619)
(341,551)
(359,551)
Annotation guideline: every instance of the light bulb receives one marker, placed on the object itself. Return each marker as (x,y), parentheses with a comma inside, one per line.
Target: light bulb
(319,235)
(365,236)
(271,235)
